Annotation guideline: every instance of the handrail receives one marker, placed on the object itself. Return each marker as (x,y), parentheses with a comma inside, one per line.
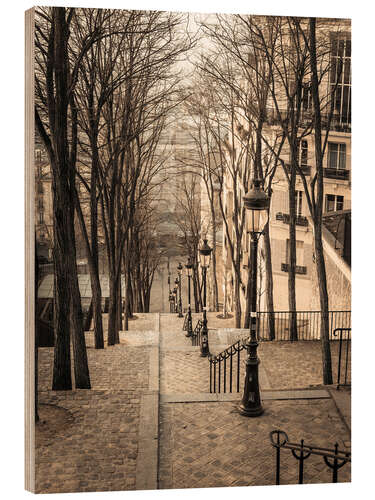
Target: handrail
(301,451)
(186,321)
(218,374)
(196,335)
(347,355)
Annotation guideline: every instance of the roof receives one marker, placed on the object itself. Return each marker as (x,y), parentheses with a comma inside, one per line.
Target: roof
(45,290)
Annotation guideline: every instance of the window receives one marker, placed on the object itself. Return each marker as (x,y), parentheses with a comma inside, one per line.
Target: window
(306,97)
(303,153)
(334,203)
(299,252)
(340,76)
(41,217)
(298,202)
(336,156)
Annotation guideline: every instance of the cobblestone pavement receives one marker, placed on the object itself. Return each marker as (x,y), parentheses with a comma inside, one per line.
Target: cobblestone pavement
(286,365)
(87,440)
(299,364)
(211,445)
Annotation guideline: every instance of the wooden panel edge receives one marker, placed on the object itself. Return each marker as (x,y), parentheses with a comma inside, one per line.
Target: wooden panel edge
(29,253)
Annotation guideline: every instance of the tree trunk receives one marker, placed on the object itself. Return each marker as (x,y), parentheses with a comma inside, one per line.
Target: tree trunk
(323,296)
(269,284)
(112,310)
(317,216)
(292,249)
(237,301)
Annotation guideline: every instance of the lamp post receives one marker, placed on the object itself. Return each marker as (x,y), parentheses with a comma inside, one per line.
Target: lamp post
(175,298)
(204,257)
(169,292)
(257,203)
(179,271)
(189,267)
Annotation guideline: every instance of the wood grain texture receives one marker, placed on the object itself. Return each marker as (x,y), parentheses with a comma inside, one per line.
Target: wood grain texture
(29,253)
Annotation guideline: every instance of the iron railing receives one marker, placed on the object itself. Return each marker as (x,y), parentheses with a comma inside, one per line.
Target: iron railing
(301,220)
(225,369)
(336,173)
(186,323)
(196,336)
(308,324)
(332,457)
(298,269)
(344,360)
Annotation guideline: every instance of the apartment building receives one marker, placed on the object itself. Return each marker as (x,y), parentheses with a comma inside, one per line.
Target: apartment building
(337,192)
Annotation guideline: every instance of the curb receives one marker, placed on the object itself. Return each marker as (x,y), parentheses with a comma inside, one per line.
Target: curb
(235,396)
(148,432)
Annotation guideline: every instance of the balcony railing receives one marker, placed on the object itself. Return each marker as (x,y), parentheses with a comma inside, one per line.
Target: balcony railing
(306,169)
(299,269)
(301,220)
(336,173)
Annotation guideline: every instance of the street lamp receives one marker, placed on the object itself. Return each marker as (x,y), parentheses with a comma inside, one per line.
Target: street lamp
(176,287)
(189,269)
(204,258)
(179,271)
(175,298)
(257,203)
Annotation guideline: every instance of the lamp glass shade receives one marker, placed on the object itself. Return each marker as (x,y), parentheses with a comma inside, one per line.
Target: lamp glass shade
(205,254)
(189,268)
(256,220)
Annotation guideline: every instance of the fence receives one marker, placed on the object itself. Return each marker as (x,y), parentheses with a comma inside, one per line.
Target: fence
(196,337)
(225,367)
(308,324)
(344,361)
(227,361)
(332,457)
(186,323)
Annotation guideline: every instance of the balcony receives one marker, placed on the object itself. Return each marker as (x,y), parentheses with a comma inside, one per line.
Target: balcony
(306,169)
(301,220)
(299,269)
(336,173)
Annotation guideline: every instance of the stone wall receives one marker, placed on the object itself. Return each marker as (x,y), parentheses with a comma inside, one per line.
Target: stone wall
(339,286)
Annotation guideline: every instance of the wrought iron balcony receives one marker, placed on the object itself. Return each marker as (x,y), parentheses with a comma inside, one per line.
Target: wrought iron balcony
(299,269)
(306,169)
(301,220)
(336,173)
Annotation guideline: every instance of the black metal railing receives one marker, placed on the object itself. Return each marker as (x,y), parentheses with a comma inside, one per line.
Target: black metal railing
(301,220)
(344,361)
(336,173)
(196,336)
(225,369)
(299,269)
(332,457)
(306,169)
(186,323)
(308,324)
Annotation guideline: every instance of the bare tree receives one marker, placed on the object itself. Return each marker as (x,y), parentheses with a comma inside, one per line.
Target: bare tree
(58,59)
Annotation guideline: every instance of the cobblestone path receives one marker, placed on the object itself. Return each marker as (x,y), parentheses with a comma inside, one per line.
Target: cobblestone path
(87,440)
(105,439)
(209,444)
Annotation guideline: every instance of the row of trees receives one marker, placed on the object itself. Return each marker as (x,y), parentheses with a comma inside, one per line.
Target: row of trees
(106,83)
(257,94)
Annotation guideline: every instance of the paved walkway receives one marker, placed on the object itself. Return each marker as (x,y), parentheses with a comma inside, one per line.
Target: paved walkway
(205,442)
(150,422)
